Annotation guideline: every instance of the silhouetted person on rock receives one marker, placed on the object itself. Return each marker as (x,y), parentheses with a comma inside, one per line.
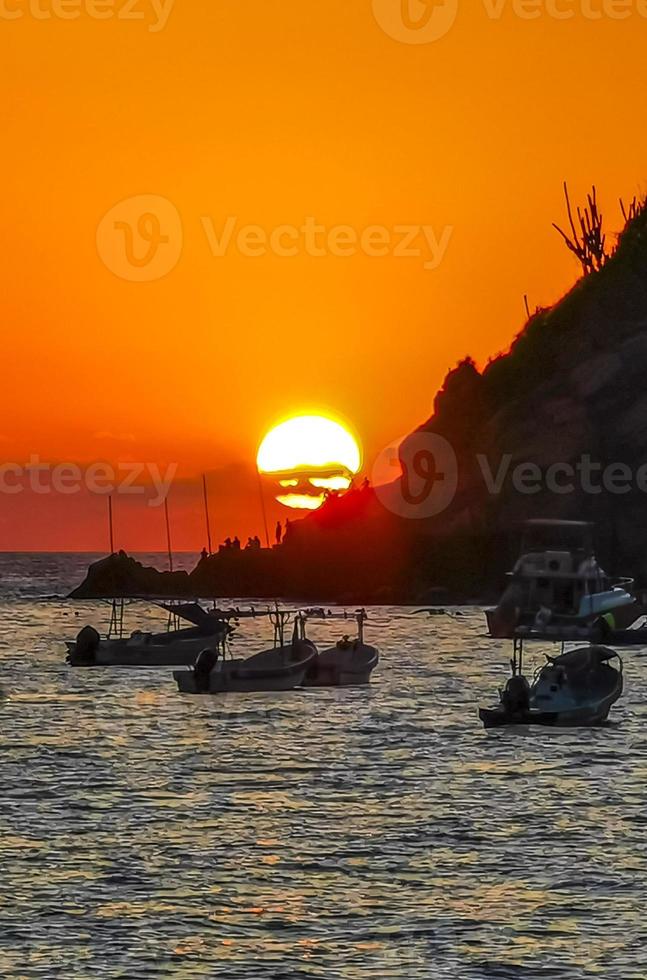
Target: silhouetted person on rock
(279,532)
(236,543)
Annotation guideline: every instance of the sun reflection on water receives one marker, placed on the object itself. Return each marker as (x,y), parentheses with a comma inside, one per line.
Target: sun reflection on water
(375,833)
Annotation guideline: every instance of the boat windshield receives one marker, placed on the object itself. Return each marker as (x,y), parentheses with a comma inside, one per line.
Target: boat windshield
(541,536)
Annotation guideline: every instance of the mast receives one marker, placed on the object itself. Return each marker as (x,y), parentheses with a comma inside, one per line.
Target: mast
(264,512)
(206,511)
(168,535)
(111,526)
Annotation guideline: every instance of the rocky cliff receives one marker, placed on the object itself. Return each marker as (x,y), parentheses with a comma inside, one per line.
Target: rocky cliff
(561,419)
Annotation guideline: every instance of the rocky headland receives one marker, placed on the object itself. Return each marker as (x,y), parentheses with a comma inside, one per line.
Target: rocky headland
(556,427)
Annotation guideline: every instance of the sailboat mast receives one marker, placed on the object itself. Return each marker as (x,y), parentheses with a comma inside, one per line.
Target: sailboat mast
(206,511)
(110,526)
(168,535)
(264,512)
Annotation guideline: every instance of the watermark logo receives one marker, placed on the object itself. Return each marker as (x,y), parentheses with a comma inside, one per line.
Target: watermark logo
(593,10)
(416,21)
(140,239)
(427,480)
(36,476)
(425,21)
(153,13)
(316,240)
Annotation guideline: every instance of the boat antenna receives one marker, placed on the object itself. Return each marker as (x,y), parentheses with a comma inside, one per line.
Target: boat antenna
(206,511)
(111,526)
(168,535)
(263,511)
(361,619)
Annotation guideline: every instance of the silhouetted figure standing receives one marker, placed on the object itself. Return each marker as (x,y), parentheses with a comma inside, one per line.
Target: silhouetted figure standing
(279,532)
(236,543)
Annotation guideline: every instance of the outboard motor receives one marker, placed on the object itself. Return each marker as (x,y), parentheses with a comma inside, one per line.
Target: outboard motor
(85,650)
(516,696)
(205,663)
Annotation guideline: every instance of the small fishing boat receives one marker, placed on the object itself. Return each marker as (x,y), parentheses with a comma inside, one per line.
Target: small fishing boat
(281,668)
(177,646)
(577,688)
(557,582)
(349,663)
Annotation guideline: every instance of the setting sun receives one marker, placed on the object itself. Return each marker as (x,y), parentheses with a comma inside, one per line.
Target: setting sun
(308,456)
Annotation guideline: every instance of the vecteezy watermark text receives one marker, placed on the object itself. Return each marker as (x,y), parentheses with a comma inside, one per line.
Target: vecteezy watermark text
(318,240)
(153,13)
(141,239)
(425,21)
(143,479)
(561,478)
(420,477)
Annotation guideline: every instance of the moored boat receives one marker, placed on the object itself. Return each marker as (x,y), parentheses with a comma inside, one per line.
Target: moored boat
(281,668)
(577,688)
(177,646)
(349,663)
(557,583)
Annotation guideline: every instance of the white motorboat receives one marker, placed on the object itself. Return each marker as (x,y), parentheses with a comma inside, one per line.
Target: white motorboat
(281,668)
(558,585)
(177,646)
(577,688)
(349,663)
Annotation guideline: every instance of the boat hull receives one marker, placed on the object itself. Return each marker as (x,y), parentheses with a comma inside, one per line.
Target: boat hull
(584,717)
(123,653)
(282,669)
(343,667)
(591,628)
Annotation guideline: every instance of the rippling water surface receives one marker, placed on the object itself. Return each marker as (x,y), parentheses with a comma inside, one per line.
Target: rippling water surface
(376,832)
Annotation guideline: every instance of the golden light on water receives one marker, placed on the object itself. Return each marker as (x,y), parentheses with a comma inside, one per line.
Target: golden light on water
(309,453)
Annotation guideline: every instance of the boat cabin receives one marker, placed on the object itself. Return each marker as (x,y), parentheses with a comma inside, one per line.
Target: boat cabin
(557,567)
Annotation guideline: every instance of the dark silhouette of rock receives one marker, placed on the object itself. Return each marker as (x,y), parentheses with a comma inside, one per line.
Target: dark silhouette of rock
(119,576)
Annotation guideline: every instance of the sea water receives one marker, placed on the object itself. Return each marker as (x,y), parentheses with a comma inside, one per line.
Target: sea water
(345,834)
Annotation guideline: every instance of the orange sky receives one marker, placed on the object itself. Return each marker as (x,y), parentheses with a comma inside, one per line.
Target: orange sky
(272,113)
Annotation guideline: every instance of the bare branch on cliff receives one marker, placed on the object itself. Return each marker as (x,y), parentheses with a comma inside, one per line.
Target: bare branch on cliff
(635,208)
(589,244)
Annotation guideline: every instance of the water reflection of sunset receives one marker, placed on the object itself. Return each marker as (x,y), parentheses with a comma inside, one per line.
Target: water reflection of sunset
(206,834)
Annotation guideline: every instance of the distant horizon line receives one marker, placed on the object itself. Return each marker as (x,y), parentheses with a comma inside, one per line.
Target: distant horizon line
(57,551)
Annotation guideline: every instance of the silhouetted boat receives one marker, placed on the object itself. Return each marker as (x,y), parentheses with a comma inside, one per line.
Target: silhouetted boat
(176,646)
(347,664)
(577,688)
(281,668)
(558,583)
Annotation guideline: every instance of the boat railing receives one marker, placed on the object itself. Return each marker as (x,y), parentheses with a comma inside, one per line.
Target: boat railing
(359,615)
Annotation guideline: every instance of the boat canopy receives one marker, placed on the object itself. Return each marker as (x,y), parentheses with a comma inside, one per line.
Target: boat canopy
(547,535)
(194,613)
